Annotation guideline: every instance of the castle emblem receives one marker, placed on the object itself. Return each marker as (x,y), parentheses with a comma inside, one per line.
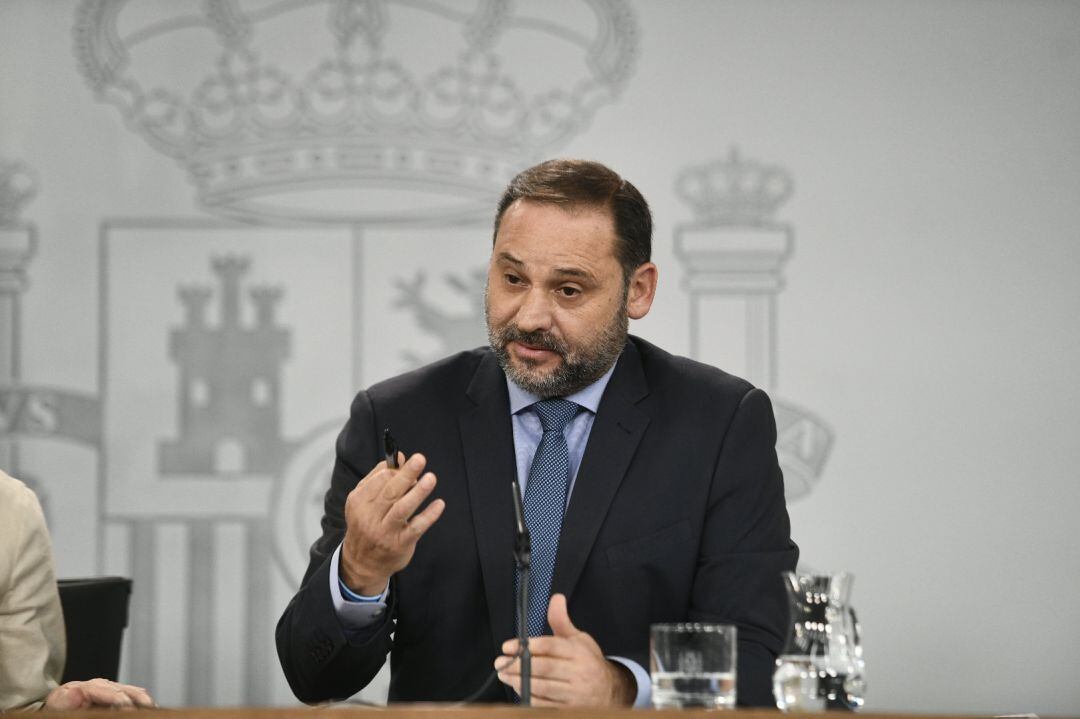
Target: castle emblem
(229,380)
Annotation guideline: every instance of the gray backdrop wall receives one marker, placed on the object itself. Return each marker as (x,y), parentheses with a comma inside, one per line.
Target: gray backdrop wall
(210,213)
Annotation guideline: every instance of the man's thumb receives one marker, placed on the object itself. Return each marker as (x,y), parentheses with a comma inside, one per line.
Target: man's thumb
(559,617)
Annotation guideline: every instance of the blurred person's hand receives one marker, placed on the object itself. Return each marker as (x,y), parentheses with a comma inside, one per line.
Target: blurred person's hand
(98,693)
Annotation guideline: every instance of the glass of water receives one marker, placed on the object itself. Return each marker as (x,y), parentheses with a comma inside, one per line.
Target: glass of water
(692,665)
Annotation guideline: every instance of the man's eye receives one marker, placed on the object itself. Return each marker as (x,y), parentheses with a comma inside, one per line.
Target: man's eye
(569,291)
(513,280)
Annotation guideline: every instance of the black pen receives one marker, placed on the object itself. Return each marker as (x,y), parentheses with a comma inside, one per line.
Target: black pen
(390,447)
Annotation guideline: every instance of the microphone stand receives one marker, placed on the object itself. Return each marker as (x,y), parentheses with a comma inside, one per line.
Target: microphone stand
(523,560)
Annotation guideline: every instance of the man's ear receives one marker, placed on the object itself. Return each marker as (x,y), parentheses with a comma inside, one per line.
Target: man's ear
(642,290)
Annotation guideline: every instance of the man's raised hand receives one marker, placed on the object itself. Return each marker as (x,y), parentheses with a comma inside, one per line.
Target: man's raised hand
(382,525)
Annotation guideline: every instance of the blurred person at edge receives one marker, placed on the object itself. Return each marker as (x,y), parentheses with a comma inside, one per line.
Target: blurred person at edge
(32,644)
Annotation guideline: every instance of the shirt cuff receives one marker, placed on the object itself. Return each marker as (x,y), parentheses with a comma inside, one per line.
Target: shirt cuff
(354,611)
(644,683)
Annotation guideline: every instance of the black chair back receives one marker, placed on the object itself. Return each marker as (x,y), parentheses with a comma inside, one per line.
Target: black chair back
(95,615)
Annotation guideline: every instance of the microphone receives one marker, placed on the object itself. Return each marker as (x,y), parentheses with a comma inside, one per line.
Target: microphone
(523,559)
(522,541)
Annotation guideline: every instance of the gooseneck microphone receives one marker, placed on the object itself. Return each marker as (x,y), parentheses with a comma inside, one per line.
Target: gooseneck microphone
(523,559)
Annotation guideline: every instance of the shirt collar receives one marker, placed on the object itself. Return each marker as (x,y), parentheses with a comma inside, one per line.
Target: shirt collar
(589,397)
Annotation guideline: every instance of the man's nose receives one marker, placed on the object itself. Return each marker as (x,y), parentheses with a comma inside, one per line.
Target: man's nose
(534,313)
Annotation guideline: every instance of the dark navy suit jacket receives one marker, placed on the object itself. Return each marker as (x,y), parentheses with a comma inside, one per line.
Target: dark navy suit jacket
(677,514)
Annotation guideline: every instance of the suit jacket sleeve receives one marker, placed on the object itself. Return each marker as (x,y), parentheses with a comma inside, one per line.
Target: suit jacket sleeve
(322,660)
(32,644)
(738,578)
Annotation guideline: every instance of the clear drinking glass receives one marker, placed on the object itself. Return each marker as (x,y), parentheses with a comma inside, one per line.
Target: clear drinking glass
(692,665)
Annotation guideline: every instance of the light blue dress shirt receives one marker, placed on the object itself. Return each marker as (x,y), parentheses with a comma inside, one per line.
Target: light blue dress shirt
(528,430)
(357,612)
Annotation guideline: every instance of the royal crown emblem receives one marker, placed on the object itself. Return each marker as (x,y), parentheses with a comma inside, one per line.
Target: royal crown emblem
(735,191)
(328,110)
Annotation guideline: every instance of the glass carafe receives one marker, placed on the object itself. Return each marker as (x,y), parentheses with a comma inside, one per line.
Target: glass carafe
(821,666)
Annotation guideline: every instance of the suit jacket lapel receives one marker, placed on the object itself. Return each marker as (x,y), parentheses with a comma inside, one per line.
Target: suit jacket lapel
(616,432)
(488,441)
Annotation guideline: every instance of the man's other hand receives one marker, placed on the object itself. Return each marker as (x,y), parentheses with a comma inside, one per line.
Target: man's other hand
(568,669)
(97,693)
(381,523)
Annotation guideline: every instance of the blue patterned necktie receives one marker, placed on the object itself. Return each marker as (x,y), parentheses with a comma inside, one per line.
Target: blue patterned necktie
(545,502)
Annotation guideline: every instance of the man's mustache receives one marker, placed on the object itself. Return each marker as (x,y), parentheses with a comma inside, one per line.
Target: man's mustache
(539,339)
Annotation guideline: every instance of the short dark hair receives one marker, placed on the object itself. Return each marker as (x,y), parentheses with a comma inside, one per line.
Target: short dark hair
(582,183)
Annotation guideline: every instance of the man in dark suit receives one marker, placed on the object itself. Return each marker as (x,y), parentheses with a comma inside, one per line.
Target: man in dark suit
(655,498)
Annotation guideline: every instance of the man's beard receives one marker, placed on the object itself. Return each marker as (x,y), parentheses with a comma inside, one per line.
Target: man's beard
(581,365)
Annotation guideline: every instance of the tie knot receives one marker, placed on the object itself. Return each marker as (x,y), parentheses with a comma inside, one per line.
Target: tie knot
(555,414)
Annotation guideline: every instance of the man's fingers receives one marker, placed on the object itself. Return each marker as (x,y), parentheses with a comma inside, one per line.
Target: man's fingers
(556,670)
(511,680)
(380,531)
(544,692)
(403,509)
(371,485)
(556,647)
(423,521)
(379,483)
(541,688)
(402,480)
